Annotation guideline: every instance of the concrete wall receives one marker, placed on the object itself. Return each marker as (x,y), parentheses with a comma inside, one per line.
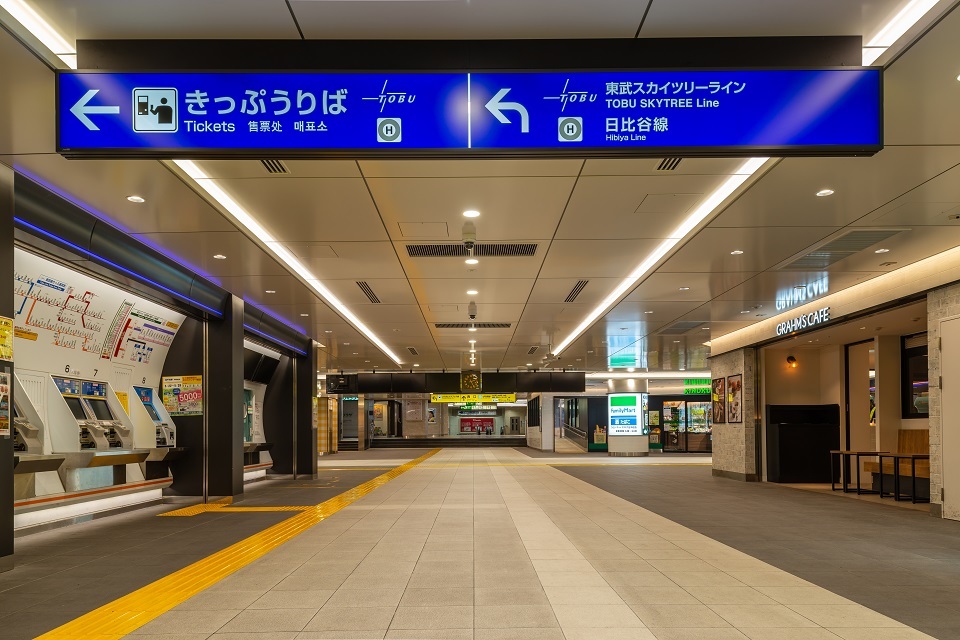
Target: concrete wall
(734,445)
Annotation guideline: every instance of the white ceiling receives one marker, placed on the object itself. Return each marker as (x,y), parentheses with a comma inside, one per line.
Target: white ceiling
(592,220)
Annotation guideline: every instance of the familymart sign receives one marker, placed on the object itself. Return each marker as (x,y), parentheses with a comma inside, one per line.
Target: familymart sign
(806,321)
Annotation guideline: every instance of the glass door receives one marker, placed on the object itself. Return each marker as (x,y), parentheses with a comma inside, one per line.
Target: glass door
(675,425)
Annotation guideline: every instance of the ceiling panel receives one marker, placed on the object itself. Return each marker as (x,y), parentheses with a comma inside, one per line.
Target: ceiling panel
(697,18)
(585,259)
(904,248)
(389,292)
(102,186)
(632,206)
(231,169)
(456,269)
(786,195)
(510,208)
(701,286)
(555,290)
(709,251)
(555,312)
(626,312)
(136,19)
(454,290)
(348,260)
(486,312)
(196,250)
(310,209)
(469,19)
(469,168)
(648,167)
(289,290)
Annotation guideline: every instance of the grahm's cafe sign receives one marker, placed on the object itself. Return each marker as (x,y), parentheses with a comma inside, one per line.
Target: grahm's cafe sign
(805,321)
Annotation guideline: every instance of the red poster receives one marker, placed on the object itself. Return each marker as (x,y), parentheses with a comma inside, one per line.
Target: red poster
(474,425)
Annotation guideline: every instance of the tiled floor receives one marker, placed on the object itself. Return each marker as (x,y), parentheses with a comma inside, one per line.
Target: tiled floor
(489,544)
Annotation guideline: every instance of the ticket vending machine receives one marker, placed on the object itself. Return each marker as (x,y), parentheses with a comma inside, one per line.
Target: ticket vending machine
(34,473)
(163,426)
(98,427)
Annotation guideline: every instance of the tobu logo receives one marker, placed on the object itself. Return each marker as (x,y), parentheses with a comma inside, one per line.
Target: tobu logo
(805,321)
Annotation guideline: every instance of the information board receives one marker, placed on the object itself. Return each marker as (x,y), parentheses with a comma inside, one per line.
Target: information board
(682,112)
(624,411)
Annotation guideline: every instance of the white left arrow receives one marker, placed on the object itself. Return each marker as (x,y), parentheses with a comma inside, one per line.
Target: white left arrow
(82,110)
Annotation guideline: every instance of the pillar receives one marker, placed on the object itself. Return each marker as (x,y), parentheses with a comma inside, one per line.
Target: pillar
(735,445)
(6,367)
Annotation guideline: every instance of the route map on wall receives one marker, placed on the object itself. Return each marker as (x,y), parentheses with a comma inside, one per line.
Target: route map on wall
(64,316)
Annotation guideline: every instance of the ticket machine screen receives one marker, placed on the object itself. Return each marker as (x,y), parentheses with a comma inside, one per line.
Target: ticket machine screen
(76,408)
(153,412)
(100,409)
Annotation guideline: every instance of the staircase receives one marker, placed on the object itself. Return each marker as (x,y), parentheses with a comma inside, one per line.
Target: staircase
(348,445)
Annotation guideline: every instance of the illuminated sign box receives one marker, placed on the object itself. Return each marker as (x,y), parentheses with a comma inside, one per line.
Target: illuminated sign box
(473,398)
(558,113)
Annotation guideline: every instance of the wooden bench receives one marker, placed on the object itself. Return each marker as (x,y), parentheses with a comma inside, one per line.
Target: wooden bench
(908,441)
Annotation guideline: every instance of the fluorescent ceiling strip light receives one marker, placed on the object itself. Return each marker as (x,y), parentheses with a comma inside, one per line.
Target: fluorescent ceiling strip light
(42,30)
(706,208)
(243,217)
(895,29)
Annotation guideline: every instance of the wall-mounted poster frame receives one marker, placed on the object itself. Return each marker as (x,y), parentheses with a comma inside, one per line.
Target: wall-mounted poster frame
(718,396)
(735,398)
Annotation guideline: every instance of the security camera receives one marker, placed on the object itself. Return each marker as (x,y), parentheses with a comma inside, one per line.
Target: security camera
(469,235)
(472,310)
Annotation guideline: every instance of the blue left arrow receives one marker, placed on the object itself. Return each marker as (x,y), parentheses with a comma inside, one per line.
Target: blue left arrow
(82,109)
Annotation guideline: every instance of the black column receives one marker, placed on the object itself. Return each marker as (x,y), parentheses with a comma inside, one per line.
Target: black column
(223,412)
(6,310)
(305,425)
(185,358)
(278,410)
(213,463)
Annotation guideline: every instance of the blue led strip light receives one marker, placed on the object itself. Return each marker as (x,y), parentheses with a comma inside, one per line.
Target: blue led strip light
(114,265)
(275,340)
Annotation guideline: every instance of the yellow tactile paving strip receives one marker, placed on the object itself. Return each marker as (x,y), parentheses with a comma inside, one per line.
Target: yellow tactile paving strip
(129,613)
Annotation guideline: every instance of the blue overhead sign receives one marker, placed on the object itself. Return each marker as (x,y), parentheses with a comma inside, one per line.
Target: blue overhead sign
(832,111)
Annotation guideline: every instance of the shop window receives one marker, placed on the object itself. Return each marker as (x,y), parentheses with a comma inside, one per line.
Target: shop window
(914,377)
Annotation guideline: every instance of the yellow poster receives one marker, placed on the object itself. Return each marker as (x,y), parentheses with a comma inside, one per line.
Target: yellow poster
(6,339)
(473,397)
(24,334)
(124,399)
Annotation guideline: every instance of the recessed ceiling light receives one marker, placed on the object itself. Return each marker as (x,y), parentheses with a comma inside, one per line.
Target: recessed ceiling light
(684,288)
(356,353)
(327,331)
(747,311)
(631,370)
(472,261)
(472,329)
(472,341)
(270,291)
(529,364)
(648,311)
(471,213)
(824,193)
(704,328)
(415,364)
(736,252)
(473,350)
(676,342)
(304,315)
(376,366)
(136,199)
(346,344)
(862,328)
(367,361)
(472,292)
(882,251)
(219,256)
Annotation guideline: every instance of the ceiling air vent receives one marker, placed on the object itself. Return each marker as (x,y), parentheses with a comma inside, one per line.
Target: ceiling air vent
(838,248)
(669,164)
(678,328)
(274,166)
(367,291)
(413,351)
(532,350)
(481,250)
(467,325)
(577,288)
